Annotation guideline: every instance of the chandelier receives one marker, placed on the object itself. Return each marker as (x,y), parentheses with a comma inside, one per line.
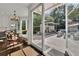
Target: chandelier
(14,17)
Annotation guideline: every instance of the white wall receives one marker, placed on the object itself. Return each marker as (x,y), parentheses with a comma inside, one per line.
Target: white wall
(33,5)
(6,12)
(4,23)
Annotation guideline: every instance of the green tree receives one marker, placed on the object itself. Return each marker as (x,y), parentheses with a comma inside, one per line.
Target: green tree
(70,7)
(74,15)
(49,18)
(36,22)
(58,15)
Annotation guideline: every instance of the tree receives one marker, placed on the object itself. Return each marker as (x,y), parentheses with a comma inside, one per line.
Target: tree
(36,22)
(74,15)
(58,15)
(49,18)
(70,7)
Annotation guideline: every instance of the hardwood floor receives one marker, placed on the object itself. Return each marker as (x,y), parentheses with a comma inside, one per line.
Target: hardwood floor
(27,51)
(21,49)
(17,53)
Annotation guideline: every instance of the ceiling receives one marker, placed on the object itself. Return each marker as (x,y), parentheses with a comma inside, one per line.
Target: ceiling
(6,9)
(15,4)
(47,6)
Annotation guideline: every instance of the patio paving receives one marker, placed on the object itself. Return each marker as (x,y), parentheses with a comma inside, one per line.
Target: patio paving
(55,52)
(59,43)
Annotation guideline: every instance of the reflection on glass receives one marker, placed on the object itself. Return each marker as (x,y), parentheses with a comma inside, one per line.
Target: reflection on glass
(73,29)
(37,26)
(55,30)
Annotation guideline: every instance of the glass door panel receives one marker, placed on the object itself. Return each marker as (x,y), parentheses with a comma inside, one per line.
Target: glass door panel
(37,27)
(55,31)
(73,29)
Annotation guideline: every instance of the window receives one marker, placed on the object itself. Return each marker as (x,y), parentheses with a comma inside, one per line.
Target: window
(24,27)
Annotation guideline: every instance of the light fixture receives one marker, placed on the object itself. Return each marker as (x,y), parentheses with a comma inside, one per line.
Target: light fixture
(14,17)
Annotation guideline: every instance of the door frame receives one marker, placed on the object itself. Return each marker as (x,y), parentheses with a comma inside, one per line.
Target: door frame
(42,36)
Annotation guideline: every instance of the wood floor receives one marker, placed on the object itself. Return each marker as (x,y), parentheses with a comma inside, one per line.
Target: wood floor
(27,51)
(21,49)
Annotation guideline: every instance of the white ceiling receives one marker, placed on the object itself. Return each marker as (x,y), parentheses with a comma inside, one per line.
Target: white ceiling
(6,9)
(15,4)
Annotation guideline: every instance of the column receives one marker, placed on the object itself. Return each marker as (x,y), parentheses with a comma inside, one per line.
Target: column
(20,27)
(66,24)
(30,26)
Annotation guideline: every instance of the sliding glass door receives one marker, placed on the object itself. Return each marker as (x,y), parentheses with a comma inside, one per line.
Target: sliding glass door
(37,27)
(55,30)
(49,29)
(73,28)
